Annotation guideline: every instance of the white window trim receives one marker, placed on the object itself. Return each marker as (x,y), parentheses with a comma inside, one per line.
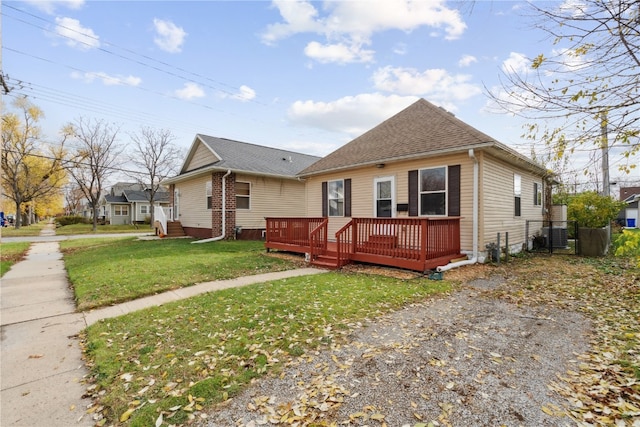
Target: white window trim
(242,195)
(446,190)
(329,199)
(391,178)
(208,192)
(120,207)
(541,192)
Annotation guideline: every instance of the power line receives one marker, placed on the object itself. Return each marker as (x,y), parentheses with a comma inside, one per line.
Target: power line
(168,71)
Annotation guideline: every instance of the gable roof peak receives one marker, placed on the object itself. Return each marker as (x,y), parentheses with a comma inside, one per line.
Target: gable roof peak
(419,130)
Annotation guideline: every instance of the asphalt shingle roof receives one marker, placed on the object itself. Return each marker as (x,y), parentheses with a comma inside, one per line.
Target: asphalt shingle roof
(143,196)
(417,131)
(242,156)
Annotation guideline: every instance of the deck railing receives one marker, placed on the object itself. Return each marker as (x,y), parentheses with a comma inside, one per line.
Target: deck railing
(415,243)
(417,239)
(159,216)
(291,231)
(318,239)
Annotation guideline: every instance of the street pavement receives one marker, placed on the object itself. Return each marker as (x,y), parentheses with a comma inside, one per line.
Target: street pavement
(41,366)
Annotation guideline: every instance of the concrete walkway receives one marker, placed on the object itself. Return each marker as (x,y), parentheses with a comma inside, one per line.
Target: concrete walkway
(40,362)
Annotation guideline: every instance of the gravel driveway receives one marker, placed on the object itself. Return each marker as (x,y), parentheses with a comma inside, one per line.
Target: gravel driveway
(466,359)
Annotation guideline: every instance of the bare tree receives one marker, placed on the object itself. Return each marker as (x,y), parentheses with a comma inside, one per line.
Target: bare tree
(94,152)
(73,197)
(155,153)
(27,173)
(587,92)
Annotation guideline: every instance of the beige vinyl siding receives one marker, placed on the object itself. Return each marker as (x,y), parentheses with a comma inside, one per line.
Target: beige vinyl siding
(271,197)
(202,157)
(362,191)
(192,202)
(498,209)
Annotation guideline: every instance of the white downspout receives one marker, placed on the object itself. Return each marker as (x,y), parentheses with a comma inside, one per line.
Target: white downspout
(224,212)
(474,257)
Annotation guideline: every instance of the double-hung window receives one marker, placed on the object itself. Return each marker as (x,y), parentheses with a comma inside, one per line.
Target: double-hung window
(433,191)
(537,194)
(121,210)
(208,193)
(144,210)
(517,194)
(335,195)
(243,195)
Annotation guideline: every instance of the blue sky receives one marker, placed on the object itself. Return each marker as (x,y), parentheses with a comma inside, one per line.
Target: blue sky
(304,76)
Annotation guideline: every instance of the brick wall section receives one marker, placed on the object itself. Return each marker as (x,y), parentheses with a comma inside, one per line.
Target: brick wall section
(216,205)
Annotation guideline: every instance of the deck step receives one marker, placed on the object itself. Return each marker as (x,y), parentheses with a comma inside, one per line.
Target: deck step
(174,229)
(326,261)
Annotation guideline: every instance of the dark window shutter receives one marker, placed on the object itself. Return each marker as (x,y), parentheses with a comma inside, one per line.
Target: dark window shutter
(347,197)
(454,190)
(413,193)
(325,200)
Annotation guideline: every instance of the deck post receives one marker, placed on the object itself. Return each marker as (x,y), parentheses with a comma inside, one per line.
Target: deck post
(423,241)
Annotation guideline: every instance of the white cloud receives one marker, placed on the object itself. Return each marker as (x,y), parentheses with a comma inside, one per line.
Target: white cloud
(190,91)
(49,6)
(400,49)
(436,84)
(107,79)
(244,94)
(352,23)
(339,53)
(516,63)
(570,60)
(76,35)
(352,114)
(169,36)
(573,8)
(467,60)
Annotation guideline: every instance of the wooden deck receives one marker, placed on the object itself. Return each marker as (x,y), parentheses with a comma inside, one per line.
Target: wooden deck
(419,244)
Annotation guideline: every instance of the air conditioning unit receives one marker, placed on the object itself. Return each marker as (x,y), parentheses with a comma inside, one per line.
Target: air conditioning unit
(558,237)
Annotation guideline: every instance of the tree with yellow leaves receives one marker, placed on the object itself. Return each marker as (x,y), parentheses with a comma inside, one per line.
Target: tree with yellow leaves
(29,173)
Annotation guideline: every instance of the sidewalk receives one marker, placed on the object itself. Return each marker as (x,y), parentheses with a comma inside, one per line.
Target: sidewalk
(41,362)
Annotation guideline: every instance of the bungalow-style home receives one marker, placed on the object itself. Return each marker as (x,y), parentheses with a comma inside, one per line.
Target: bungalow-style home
(245,181)
(417,191)
(129,203)
(629,216)
(422,179)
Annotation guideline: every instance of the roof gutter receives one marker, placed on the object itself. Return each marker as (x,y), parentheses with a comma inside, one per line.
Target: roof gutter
(224,212)
(474,257)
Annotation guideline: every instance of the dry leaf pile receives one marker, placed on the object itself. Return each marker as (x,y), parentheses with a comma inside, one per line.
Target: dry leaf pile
(542,342)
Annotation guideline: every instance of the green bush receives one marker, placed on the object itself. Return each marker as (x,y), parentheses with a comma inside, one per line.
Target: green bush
(592,210)
(68,220)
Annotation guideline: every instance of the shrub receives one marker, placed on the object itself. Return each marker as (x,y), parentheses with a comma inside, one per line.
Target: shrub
(68,220)
(592,210)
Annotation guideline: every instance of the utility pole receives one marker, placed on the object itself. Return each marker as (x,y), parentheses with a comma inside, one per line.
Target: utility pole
(606,185)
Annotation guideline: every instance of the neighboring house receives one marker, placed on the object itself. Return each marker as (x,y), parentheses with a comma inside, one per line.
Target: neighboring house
(128,203)
(629,216)
(248,182)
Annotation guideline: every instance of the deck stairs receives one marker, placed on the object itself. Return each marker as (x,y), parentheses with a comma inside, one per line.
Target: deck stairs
(174,229)
(328,260)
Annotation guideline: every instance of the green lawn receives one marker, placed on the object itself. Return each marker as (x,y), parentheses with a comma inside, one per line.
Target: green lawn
(103,229)
(106,271)
(24,230)
(10,253)
(188,355)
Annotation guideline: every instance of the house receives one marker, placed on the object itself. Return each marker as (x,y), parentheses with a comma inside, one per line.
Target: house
(129,203)
(421,164)
(629,216)
(417,191)
(248,182)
